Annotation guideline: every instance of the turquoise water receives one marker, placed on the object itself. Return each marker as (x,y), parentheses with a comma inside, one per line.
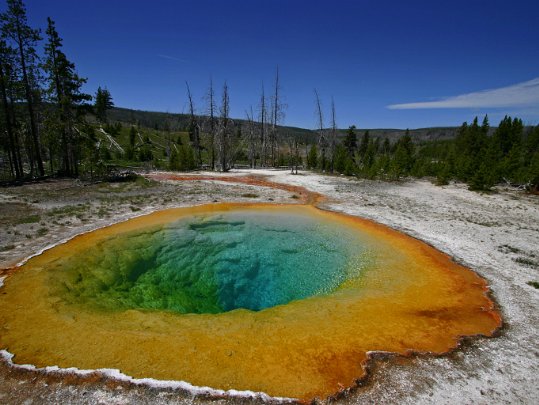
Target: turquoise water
(212,263)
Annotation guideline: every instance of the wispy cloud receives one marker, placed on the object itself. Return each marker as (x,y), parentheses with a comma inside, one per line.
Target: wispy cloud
(517,95)
(170,57)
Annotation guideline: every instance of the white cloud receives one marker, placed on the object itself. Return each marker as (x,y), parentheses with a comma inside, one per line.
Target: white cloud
(521,94)
(170,57)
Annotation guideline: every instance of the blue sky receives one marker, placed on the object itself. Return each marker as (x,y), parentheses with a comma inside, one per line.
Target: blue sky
(382,61)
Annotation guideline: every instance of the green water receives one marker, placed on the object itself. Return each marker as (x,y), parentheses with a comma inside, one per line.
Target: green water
(212,263)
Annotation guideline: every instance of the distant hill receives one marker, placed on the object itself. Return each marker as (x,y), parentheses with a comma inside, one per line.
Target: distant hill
(418,135)
(179,122)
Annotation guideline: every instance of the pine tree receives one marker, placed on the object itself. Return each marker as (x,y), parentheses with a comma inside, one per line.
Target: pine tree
(341,158)
(533,173)
(15,28)
(403,160)
(364,145)
(64,91)
(7,83)
(368,158)
(132,136)
(386,147)
(350,142)
(174,161)
(103,102)
(312,158)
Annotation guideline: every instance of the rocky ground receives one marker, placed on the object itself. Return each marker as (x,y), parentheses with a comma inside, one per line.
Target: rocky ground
(495,234)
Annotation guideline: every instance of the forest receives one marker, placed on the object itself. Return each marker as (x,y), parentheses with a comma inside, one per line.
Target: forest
(50,127)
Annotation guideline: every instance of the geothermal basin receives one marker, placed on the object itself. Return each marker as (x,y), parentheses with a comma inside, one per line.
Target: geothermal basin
(283,299)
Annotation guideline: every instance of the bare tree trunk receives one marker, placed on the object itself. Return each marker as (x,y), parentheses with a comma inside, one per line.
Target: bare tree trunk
(297,155)
(277,115)
(263,134)
(333,134)
(321,135)
(193,126)
(252,139)
(211,111)
(223,129)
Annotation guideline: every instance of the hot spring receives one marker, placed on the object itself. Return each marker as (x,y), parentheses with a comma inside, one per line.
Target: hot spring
(286,300)
(248,259)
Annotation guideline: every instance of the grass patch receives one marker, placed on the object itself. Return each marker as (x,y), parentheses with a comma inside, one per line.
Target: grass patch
(126,183)
(42,231)
(534,284)
(294,196)
(143,182)
(31,219)
(250,195)
(68,210)
(102,213)
(6,248)
(134,209)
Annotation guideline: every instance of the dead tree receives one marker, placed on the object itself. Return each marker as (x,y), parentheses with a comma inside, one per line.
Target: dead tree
(251,138)
(211,124)
(276,116)
(223,138)
(263,128)
(194,128)
(333,137)
(322,141)
(293,145)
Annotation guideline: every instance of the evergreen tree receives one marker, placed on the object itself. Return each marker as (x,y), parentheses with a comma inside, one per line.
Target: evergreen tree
(403,160)
(132,136)
(103,102)
(485,175)
(364,144)
(369,158)
(471,142)
(341,158)
(15,28)
(187,158)
(508,134)
(350,142)
(64,91)
(533,173)
(386,147)
(312,158)
(174,161)
(7,83)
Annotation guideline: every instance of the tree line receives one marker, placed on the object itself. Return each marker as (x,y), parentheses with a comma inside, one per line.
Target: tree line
(478,156)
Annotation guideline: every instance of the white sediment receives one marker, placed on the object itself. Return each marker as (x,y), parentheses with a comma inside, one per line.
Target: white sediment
(150,382)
